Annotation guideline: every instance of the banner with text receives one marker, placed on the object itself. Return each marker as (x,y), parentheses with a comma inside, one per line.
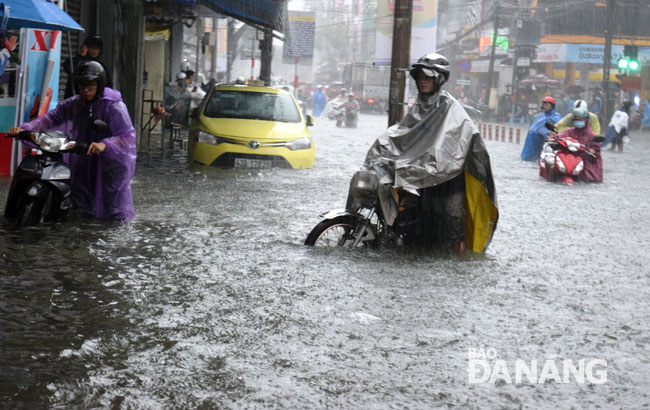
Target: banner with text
(423,30)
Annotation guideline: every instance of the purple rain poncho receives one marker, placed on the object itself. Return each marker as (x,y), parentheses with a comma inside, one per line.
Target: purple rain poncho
(101,184)
(593,167)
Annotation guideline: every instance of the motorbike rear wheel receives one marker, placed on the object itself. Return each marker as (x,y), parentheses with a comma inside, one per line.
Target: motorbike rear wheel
(337,231)
(29,214)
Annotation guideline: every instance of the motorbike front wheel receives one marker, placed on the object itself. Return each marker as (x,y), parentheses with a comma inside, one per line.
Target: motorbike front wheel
(29,214)
(337,231)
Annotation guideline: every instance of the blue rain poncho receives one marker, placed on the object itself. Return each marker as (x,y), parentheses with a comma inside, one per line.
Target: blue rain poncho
(537,134)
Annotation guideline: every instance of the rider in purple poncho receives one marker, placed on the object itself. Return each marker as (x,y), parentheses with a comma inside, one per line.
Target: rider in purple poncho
(101,180)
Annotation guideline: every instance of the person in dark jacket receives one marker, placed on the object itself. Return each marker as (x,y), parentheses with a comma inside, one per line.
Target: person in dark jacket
(91,49)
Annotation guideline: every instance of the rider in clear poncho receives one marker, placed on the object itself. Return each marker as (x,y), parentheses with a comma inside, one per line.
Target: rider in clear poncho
(437,152)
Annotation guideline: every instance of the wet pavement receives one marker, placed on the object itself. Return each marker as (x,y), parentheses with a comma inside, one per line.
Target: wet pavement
(210,300)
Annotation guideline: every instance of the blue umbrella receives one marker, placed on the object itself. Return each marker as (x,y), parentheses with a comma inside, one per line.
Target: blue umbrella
(35,14)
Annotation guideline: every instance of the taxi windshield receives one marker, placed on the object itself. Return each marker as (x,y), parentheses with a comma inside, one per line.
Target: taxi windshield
(252,106)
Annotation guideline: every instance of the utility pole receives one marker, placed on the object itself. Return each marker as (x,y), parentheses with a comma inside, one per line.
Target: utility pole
(400,59)
(608,103)
(253,53)
(266,47)
(493,83)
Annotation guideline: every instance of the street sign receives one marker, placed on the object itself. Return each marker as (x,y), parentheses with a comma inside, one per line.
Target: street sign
(464,66)
(300,36)
(464,82)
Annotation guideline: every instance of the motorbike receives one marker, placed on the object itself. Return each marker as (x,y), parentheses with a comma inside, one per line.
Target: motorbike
(560,159)
(197,94)
(346,117)
(363,222)
(40,188)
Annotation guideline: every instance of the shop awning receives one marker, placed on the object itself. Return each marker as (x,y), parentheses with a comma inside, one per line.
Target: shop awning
(35,14)
(265,13)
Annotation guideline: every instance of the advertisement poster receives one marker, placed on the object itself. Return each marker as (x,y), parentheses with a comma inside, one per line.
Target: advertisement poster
(423,30)
(43,62)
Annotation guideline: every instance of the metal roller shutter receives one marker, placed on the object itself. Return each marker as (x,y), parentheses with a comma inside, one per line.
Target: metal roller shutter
(73,8)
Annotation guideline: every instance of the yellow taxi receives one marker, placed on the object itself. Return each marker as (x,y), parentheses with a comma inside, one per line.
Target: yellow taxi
(249,126)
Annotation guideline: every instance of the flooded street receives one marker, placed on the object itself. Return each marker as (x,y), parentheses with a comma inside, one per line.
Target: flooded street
(209,299)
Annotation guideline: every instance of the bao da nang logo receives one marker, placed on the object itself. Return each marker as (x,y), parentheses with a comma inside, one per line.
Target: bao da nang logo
(484,366)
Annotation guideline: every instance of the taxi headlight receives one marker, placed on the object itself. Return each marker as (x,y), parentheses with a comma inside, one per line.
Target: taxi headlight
(302,143)
(207,138)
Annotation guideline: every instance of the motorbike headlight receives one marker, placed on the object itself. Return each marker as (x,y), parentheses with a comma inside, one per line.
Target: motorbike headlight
(50,144)
(296,145)
(207,138)
(560,164)
(578,168)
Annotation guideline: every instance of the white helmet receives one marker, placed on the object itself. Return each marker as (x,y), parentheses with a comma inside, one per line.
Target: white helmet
(181,76)
(580,104)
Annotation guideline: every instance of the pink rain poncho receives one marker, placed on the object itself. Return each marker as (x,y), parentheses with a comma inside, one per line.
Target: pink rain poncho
(101,184)
(593,171)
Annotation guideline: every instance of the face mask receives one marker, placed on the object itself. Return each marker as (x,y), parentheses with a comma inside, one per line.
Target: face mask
(578,124)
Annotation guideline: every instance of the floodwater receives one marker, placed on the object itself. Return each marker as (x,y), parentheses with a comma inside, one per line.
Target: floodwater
(209,299)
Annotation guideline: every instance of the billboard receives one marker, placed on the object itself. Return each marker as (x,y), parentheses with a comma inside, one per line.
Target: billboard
(424,24)
(583,53)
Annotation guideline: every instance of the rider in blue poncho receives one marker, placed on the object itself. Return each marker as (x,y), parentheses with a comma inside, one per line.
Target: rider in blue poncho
(538,132)
(318,101)
(645,122)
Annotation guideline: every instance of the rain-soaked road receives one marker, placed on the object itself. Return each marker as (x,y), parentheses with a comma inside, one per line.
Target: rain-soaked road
(209,300)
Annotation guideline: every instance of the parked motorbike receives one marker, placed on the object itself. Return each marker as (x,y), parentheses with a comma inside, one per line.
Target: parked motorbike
(560,159)
(40,189)
(363,222)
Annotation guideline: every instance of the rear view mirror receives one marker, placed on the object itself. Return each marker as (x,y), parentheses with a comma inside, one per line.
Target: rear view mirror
(310,121)
(550,126)
(598,138)
(99,126)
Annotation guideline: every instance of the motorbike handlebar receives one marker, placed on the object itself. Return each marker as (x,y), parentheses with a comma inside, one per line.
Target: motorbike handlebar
(23,135)
(80,148)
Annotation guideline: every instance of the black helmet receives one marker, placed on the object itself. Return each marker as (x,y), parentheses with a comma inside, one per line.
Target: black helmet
(87,71)
(626,106)
(432,65)
(94,41)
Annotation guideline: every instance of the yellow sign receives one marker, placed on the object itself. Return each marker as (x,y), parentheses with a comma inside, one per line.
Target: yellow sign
(156,35)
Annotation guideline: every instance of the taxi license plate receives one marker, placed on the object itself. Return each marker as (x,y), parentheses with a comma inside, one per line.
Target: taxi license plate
(252,163)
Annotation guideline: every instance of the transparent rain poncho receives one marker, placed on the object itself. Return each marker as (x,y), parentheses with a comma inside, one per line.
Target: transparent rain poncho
(101,184)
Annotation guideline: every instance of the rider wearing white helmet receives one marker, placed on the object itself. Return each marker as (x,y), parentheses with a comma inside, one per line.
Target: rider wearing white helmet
(567,122)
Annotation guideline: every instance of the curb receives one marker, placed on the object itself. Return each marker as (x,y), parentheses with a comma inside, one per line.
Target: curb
(501,132)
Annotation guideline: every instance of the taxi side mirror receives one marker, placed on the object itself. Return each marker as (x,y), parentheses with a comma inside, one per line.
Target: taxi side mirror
(309,120)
